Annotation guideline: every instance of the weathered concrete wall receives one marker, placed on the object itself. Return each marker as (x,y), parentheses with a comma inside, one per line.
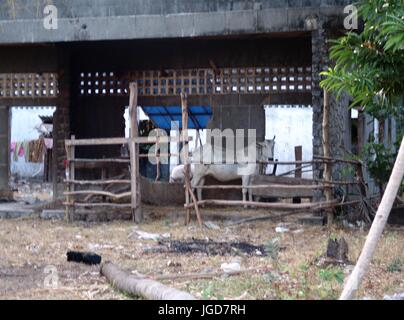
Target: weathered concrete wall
(98,117)
(28,9)
(21,21)
(4,152)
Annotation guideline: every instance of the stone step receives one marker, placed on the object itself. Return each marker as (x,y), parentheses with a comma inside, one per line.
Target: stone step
(14,211)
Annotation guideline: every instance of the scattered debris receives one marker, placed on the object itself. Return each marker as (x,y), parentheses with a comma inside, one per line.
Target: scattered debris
(297,231)
(84,257)
(173,264)
(359,224)
(143,235)
(97,246)
(230,267)
(281,229)
(397,296)
(211,225)
(35,248)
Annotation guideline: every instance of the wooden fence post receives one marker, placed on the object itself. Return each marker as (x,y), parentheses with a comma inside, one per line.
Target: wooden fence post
(298,169)
(157,155)
(185,148)
(187,168)
(70,167)
(137,215)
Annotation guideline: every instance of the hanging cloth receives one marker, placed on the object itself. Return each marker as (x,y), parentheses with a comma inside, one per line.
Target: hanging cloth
(26,150)
(18,148)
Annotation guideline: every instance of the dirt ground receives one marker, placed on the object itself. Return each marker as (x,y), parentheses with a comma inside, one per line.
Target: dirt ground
(32,250)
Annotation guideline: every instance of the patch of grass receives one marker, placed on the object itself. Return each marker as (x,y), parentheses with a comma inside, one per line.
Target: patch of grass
(208,291)
(395,265)
(331,274)
(257,287)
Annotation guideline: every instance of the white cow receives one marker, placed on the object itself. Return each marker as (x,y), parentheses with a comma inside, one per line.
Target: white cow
(178,174)
(207,162)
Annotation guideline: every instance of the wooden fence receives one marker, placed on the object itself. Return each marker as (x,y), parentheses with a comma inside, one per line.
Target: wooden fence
(191,201)
(132,163)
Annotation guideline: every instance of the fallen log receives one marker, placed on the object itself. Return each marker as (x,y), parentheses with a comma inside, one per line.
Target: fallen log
(139,285)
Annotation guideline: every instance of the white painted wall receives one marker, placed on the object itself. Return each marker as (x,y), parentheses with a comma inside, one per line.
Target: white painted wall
(292,126)
(23,123)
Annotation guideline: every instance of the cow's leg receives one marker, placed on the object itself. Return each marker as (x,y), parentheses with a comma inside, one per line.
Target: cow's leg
(199,191)
(198,182)
(244,182)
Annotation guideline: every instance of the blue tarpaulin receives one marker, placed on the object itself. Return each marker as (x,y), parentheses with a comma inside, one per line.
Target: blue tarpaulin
(198,116)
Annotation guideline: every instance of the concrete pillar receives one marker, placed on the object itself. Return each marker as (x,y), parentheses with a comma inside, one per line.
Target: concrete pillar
(61,125)
(319,60)
(339,112)
(5,121)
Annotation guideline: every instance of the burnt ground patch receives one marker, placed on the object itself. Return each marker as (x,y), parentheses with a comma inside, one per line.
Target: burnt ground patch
(210,247)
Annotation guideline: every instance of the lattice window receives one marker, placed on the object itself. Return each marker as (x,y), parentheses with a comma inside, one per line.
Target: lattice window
(199,81)
(28,85)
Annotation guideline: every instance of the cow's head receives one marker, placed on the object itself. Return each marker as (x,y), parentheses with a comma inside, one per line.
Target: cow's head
(267,149)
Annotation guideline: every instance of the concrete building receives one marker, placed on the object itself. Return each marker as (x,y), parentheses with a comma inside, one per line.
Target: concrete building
(235,56)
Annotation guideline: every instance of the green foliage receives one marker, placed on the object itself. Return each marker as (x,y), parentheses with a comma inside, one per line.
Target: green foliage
(272,249)
(369,66)
(331,274)
(209,292)
(380,159)
(395,265)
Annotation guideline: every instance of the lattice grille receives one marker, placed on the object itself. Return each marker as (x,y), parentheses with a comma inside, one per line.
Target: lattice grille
(28,85)
(199,81)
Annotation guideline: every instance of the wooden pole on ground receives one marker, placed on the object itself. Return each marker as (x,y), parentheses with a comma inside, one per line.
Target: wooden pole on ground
(139,285)
(134,156)
(377,227)
(326,150)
